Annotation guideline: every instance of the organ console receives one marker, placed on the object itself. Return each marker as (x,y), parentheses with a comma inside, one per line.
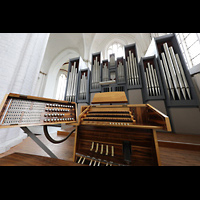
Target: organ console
(106,135)
(19,110)
(115,135)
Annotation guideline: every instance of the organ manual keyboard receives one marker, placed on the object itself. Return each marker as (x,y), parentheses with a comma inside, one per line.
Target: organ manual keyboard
(114,135)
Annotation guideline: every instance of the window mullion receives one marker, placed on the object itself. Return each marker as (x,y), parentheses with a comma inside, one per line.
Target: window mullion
(187,56)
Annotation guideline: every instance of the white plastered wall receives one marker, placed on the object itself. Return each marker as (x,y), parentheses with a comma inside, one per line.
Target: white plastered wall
(51,78)
(20,61)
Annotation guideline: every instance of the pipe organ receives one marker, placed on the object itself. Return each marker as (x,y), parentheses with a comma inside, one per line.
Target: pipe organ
(118,135)
(177,82)
(164,77)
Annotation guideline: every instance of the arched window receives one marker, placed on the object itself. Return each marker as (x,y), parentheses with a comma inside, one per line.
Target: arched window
(61,87)
(117,49)
(190,47)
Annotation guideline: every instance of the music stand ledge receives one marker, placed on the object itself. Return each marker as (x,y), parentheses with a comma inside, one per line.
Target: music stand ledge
(109,97)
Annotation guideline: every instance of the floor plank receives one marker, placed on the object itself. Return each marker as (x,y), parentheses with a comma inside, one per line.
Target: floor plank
(179,157)
(62,151)
(21,159)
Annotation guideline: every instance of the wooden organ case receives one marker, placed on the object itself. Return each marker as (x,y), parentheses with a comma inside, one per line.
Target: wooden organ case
(115,135)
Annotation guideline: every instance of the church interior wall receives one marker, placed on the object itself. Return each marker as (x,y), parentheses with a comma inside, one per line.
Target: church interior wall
(31,62)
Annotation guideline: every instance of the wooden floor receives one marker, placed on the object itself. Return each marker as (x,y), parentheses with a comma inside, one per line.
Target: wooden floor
(168,156)
(62,151)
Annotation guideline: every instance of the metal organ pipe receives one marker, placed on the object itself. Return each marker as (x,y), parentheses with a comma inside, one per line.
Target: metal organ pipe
(157,83)
(174,74)
(177,71)
(183,75)
(153,86)
(95,74)
(137,75)
(169,78)
(132,70)
(120,72)
(72,83)
(164,73)
(172,70)
(154,80)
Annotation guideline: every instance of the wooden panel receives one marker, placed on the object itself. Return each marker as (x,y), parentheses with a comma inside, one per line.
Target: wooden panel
(37,98)
(158,118)
(109,97)
(179,145)
(115,135)
(129,129)
(109,109)
(142,144)
(140,115)
(156,149)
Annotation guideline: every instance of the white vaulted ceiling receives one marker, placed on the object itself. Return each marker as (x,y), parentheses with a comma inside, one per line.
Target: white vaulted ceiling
(60,47)
(63,46)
